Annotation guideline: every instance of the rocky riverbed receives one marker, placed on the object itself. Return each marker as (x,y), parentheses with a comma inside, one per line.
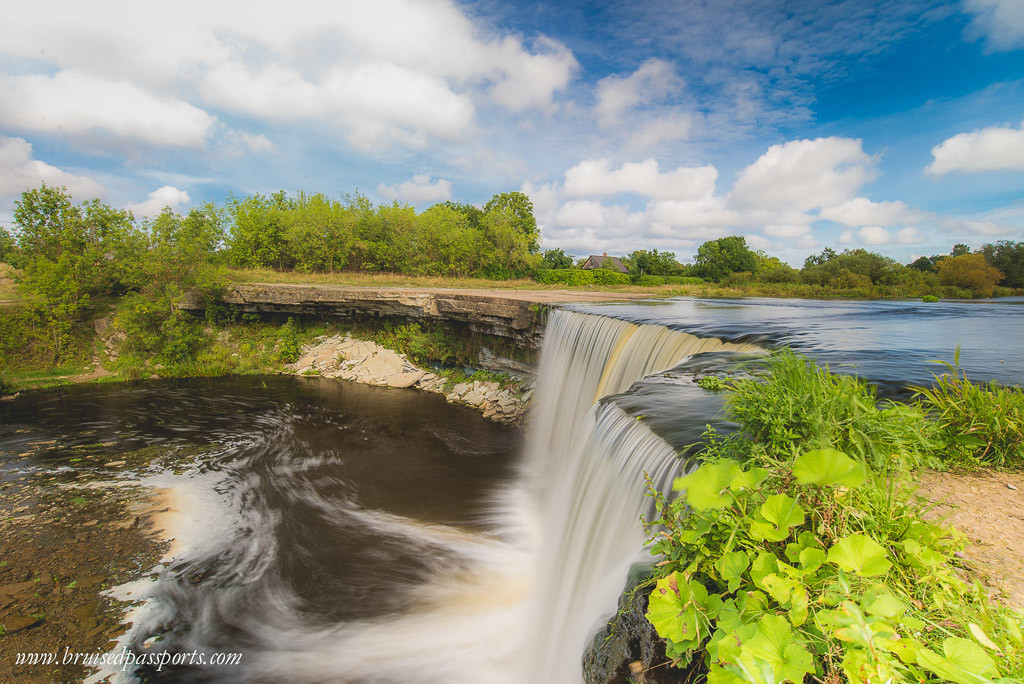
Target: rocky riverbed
(347,358)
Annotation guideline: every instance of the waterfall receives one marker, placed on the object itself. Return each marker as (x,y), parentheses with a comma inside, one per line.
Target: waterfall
(515,603)
(585,468)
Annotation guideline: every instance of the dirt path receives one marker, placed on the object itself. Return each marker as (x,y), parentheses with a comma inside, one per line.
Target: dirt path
(988,507)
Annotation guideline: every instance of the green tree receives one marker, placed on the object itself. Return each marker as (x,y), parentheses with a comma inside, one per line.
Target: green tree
(1008,257)
(256,233)
(718,258)
(520,208)
(959,249)
(556,258)
(509,252)
(319,232)
(473,214)
(70,252)
(8,247)
(653,262)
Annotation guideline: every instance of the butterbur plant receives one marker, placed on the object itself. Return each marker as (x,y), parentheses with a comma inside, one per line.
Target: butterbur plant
(820,570)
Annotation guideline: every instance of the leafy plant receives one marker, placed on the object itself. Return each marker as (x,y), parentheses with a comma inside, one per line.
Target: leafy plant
(775,574)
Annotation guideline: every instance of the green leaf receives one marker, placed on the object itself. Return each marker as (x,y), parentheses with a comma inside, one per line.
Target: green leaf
(886,606)
(828,467)
(860,555)
(731,567)
(706,487)
(964,663)
(811,560)
(676,610)
(778,513)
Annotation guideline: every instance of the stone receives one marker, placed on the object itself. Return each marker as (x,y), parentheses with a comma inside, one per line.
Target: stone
(527,397)
(460,389)
(474,398)
(404,379)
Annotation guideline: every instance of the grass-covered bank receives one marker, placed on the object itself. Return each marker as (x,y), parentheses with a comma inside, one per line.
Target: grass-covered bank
(799,550)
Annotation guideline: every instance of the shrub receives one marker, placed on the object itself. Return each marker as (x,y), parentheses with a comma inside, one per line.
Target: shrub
(605,277)
(970,271)
(931,299)
(564,276)
(288,349)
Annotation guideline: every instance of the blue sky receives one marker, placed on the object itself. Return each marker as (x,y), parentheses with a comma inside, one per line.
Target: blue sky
(896,126)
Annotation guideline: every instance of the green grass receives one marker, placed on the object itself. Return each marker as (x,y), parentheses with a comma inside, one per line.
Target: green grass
(981,424)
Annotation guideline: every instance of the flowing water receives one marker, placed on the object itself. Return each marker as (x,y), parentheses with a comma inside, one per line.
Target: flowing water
(333,532)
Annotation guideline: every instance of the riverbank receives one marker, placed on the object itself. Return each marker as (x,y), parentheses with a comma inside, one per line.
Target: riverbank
(68,537)
(819,526)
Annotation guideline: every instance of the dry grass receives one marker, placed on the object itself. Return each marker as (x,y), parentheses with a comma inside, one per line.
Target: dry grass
(8,290)
(358,279)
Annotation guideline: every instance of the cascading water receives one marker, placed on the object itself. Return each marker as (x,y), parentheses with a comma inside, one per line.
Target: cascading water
(513,603)
(585,464)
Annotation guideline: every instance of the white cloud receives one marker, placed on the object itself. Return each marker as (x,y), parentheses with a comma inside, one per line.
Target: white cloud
(75,103)
(166,196)
(990,149)
(418,190)
(1000,21)
(19,171)
(874,235)
(909,236)
(787,231)
(672,126)
(617,95)
(860,211)
(391,72)
(240,142)
(596,177)
(804,174)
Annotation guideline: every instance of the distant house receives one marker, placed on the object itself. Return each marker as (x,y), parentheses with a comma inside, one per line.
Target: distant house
(594,261)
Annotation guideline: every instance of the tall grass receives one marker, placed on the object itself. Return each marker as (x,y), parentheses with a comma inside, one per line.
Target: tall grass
(980,423)
(796,404)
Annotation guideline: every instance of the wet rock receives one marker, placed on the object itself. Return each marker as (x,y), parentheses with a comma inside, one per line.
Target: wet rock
(17,623)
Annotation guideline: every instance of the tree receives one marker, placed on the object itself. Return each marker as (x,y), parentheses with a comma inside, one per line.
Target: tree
(718,258)
(653,262)
(1008,257)
(8,247)
(69,253)
(521,209)
(971,272)
(959,249)
(473,214)
(556,258)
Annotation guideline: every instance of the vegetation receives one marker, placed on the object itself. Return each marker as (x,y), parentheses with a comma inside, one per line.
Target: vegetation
(798,550)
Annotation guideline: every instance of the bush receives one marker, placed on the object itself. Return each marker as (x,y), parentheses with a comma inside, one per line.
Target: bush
(605,277)
(564,276)
(288,349)
(931,299)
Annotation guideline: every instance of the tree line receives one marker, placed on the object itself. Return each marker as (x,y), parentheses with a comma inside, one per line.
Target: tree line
(66,253)
(730,261)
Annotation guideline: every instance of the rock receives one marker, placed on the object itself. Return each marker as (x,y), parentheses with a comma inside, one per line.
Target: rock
(101,325)
(404,379)
(528,396)
(384,364)
(20,622)
(460,389)
(474,398)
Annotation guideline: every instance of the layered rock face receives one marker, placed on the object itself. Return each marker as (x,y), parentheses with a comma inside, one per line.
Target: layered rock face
(347,358)
(519,318)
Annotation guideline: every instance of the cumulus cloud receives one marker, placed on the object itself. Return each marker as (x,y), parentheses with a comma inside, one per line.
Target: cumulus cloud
(672,126)
(860,211)
(158,200)
(392,72)
(804,174)
(418,190)
(990,149)
(596,177)
(20,171)
(75,103)
(616,95)
(1001,22)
